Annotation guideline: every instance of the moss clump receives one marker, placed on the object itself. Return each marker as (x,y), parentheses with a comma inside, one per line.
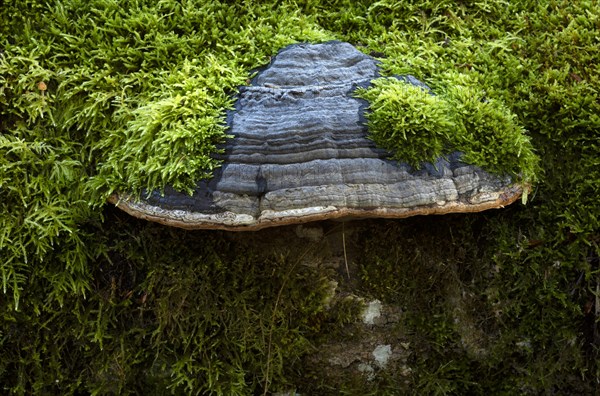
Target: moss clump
(490,135)
(418,127)
(405,119)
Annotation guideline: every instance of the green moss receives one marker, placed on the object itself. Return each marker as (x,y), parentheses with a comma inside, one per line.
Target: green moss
(195,313)
(142,86)
(414,125)
(490,135)
(419,127)
(95,302)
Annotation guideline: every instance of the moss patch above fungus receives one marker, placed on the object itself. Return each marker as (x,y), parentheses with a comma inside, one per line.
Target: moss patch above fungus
(143,86)
(417,126)
(407,120)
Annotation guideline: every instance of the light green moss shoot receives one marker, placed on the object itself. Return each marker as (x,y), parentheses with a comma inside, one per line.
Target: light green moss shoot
(405,119)
(417,126)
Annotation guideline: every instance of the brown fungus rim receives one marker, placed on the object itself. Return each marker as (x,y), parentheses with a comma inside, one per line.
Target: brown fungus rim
(227,221)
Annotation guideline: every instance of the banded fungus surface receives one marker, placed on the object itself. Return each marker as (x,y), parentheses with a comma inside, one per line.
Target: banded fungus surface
(300,152)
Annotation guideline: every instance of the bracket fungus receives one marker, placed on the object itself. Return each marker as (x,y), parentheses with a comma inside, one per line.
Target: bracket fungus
(300,152)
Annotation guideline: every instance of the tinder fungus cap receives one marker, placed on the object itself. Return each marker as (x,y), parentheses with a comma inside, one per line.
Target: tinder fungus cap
(300,153)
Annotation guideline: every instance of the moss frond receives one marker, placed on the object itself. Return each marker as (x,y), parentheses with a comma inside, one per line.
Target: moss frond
(417,126)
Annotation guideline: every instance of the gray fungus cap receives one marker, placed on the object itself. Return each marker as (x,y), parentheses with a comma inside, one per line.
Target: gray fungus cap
(300,153)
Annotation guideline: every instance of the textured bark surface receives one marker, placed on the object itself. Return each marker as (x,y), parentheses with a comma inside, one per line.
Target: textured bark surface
(300,153)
